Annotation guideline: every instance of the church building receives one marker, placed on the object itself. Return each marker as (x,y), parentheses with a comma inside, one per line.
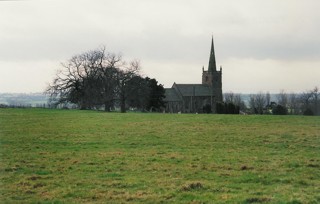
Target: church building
(197,98)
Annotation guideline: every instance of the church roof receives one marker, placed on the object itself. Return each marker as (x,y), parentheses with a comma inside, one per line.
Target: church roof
(194,89)
(180,90)
(171,95)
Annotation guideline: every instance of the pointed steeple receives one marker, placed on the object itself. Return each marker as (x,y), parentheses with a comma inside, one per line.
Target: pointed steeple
(212,61)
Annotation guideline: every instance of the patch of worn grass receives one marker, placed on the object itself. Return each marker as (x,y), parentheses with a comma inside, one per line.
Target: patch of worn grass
(59,156)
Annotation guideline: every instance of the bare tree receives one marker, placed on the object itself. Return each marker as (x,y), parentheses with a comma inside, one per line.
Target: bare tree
(253,104)
(268,98)
(70,81)
(229,97)
(93,79)
(260,102)
(310,102)
(235,99)
(293,104)
(315,99)
(283,98)
(306,100)
(239,102)
(108,74)
(123,78)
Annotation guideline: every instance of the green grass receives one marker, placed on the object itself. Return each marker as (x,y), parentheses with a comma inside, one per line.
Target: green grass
(60,156)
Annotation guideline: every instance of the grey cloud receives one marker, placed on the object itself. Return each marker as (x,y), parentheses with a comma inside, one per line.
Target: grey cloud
(159,30)
(168,32)
(268,48)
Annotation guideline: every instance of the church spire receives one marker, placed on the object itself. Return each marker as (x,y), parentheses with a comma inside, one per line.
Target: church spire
(212,61)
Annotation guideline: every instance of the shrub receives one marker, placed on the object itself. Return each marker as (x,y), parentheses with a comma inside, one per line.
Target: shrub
(227,108)
(280,110)
(308,112)
(207,108)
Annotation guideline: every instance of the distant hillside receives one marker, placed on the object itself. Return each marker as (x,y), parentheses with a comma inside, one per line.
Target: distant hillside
(39,99)
(23,99)
(246,98)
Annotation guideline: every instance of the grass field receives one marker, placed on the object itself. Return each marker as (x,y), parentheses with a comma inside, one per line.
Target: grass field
(61,156)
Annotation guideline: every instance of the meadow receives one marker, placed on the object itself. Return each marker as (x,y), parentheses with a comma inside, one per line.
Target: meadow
(70,156)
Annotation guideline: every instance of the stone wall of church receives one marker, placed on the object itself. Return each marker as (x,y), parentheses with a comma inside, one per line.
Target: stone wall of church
(191,104)
(214,79)
(217,85)
(207,78)
(196,104)
(174,107)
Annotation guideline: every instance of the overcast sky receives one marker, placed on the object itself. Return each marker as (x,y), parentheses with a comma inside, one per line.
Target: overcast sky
(262,45)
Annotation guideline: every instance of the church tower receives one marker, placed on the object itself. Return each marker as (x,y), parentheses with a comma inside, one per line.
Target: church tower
(212,77)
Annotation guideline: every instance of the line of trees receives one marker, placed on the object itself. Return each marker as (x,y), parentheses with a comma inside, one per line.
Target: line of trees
(232,104)
(99,79)
(306,103)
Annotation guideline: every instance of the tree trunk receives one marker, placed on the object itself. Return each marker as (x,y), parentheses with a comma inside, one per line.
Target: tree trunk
(122,97)
(123,106)
(107,106)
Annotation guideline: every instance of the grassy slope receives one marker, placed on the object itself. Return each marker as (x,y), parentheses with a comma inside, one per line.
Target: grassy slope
(82,156)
